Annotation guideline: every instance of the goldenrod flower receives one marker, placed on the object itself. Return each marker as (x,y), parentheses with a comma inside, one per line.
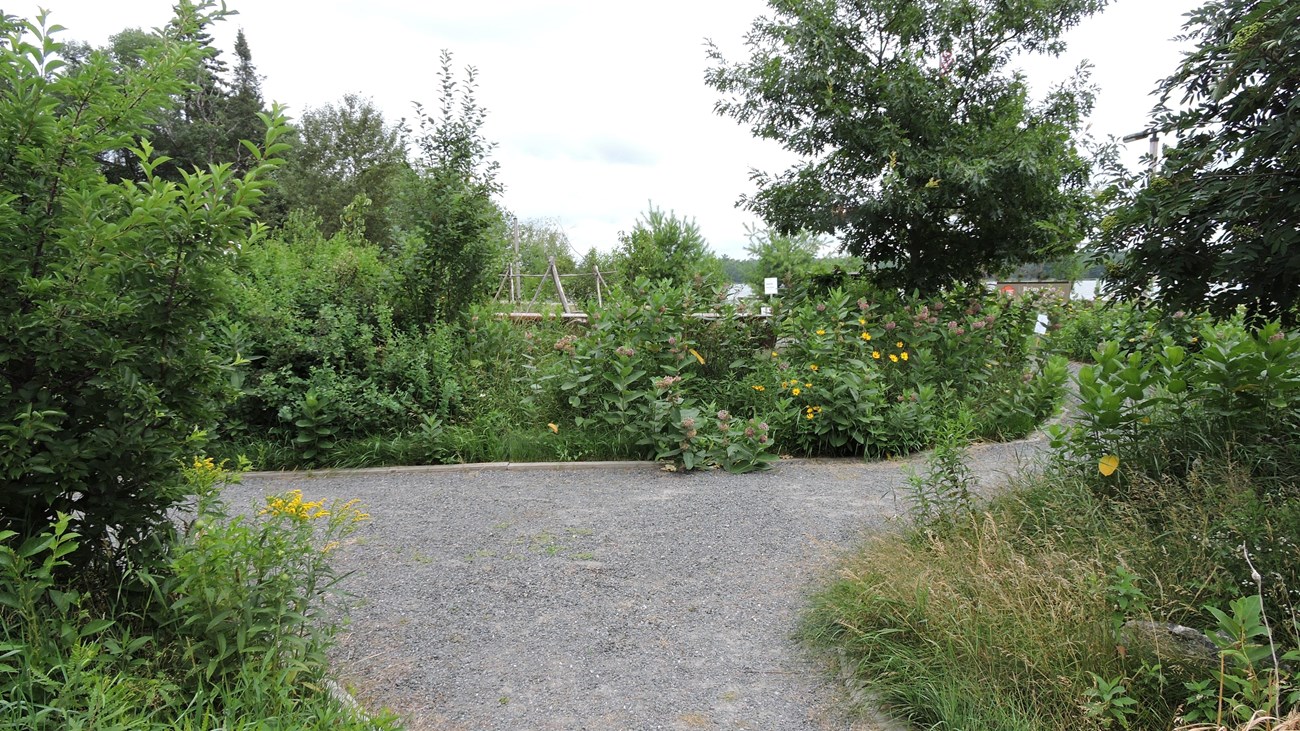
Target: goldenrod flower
(292,506)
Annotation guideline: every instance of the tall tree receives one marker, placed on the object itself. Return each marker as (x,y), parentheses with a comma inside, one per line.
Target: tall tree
(453,229)
(243,103)
(341,153)
(921,148)
(192,133)
(210,116)
(1217,223)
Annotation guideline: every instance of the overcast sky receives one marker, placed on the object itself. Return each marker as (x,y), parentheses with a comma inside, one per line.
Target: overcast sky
(598,106)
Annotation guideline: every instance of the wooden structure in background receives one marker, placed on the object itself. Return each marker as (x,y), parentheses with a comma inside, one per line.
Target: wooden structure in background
(513,280)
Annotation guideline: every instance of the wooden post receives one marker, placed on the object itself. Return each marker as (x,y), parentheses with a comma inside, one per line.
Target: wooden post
(559,286)
(518,285)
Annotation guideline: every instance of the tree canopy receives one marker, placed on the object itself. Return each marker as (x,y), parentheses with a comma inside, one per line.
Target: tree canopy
(922,151)
(1216,224)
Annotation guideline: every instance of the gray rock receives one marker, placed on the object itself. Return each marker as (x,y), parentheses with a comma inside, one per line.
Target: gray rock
(1172,642)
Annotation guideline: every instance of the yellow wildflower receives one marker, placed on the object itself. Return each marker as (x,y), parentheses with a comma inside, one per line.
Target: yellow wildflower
(862,320)
(893,358)
(1107,465)
(821,332)
(875,354)
(795,391)
(903,355)
(812,366)
(807,385)
(759,388)
(899,345)
(775,354)
(291,505)
(866,336)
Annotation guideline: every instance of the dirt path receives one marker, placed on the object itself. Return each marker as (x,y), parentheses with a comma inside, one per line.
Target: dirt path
(613,598)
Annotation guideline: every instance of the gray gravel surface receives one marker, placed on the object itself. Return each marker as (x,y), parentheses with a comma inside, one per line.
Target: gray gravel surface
(622,597)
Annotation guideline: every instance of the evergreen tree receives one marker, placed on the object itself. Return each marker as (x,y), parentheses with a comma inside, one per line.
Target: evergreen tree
(243,104)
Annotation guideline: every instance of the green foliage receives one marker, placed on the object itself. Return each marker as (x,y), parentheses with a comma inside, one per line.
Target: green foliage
(738,271)
(662,246)
(1227,391)
(923,152)
(1109,701)
(454,230)
(227,631)
(788,258)
(107,290)
(948,624)
(945,492)
(320,316)
(743,447)
(344,153)
(205,122)
(1250,679)
(1217,223)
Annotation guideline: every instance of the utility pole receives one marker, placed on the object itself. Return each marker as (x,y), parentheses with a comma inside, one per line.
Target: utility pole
(1154,135)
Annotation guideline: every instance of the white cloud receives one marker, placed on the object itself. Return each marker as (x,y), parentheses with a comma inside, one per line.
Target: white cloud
(597,106)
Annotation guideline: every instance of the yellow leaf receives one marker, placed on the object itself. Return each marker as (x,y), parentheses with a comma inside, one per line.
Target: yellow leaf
(554,428)
(698,357)
(1108,464)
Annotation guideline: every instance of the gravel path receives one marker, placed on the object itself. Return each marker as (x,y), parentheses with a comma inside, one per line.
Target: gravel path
(618,597)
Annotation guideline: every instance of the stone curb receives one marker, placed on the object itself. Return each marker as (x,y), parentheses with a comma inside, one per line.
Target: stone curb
(469,467)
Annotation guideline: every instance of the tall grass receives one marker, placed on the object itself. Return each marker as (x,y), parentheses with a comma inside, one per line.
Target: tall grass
(999,620)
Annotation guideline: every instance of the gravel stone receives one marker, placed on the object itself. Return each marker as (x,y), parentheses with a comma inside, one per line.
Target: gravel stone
(624,597)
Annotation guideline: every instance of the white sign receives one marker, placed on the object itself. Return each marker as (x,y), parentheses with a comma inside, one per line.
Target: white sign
(769,285)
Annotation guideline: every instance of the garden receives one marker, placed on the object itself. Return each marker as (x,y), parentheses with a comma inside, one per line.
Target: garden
(195,286)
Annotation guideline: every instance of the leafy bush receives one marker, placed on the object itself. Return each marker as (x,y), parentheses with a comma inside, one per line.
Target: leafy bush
(1173,500)
(227,632)
(315,318)
(1229,393)
(107,290)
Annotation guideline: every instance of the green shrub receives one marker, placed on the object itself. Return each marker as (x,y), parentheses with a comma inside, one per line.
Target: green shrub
(112,366)
(227,631)
(1233,394)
